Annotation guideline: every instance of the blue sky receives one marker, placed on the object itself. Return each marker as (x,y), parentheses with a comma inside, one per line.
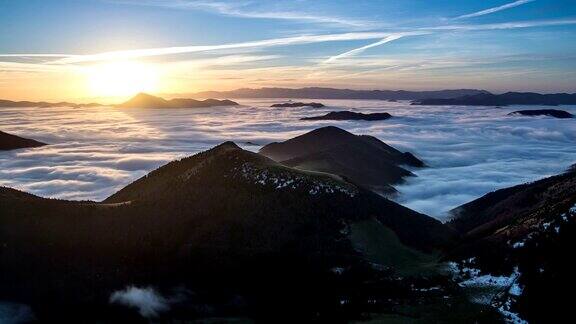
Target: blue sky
(497,45)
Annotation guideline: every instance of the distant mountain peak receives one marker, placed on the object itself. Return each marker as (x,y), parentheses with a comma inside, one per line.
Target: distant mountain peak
(329,130)
(144,95)
(363,159)
(227,145)
(145,100)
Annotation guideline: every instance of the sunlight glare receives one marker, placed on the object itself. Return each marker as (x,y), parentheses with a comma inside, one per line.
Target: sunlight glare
(121,79)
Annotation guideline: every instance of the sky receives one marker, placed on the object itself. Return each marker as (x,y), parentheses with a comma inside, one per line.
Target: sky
(97,49)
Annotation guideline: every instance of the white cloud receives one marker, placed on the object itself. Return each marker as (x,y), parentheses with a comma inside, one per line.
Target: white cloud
(248,9)
(296,40)
(505,25)
(147,300)
(385,40)
(139,163)
(495,9)
(385,37)
(363,48)
(471,150)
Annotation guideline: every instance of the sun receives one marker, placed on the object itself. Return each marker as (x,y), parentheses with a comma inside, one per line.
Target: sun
(121,79)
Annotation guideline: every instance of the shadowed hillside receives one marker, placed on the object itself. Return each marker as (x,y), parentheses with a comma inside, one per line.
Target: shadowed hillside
(363,159)
(12,142)
(246,235)
(530,230)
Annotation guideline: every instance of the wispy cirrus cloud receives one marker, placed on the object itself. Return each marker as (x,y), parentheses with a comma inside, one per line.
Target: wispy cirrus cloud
(495,9)
(27,67)
(383,41)
(359,50)
(297,40)
(446,28)
(52,59)
(23,55)
(211,62)
(505,25)
(249,9)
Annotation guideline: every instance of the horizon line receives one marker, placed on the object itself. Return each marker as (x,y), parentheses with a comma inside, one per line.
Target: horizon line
(176,94)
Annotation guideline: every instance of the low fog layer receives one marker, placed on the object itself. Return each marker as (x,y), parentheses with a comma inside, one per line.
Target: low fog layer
(147,300)
(470,150)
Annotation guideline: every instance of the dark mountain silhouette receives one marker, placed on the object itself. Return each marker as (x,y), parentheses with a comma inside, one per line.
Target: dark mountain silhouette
(350,115)
(248,236)
(44,104)
(362,159)
(543,112)
(143,100)
(12,142)
(508,98)
(529,229)
(330,93)
(298,104)
(500,209)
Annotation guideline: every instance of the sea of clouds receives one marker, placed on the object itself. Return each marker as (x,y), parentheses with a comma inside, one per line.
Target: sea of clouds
(470,150)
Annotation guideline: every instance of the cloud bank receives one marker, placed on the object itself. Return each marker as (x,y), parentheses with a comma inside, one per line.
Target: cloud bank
(471,150)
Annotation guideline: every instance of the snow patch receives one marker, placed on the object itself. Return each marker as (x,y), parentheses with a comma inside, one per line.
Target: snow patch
(489,287)
(510,317)
(288,180)
(518,245)
(515,289)
(489,280)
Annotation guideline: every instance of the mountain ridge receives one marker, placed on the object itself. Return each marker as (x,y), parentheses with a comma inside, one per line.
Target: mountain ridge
(13,142)
(363,159)
(529,230)
(333,93)
(505,99)
(140,100)
(144,100)
(224,222)
(44,104)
